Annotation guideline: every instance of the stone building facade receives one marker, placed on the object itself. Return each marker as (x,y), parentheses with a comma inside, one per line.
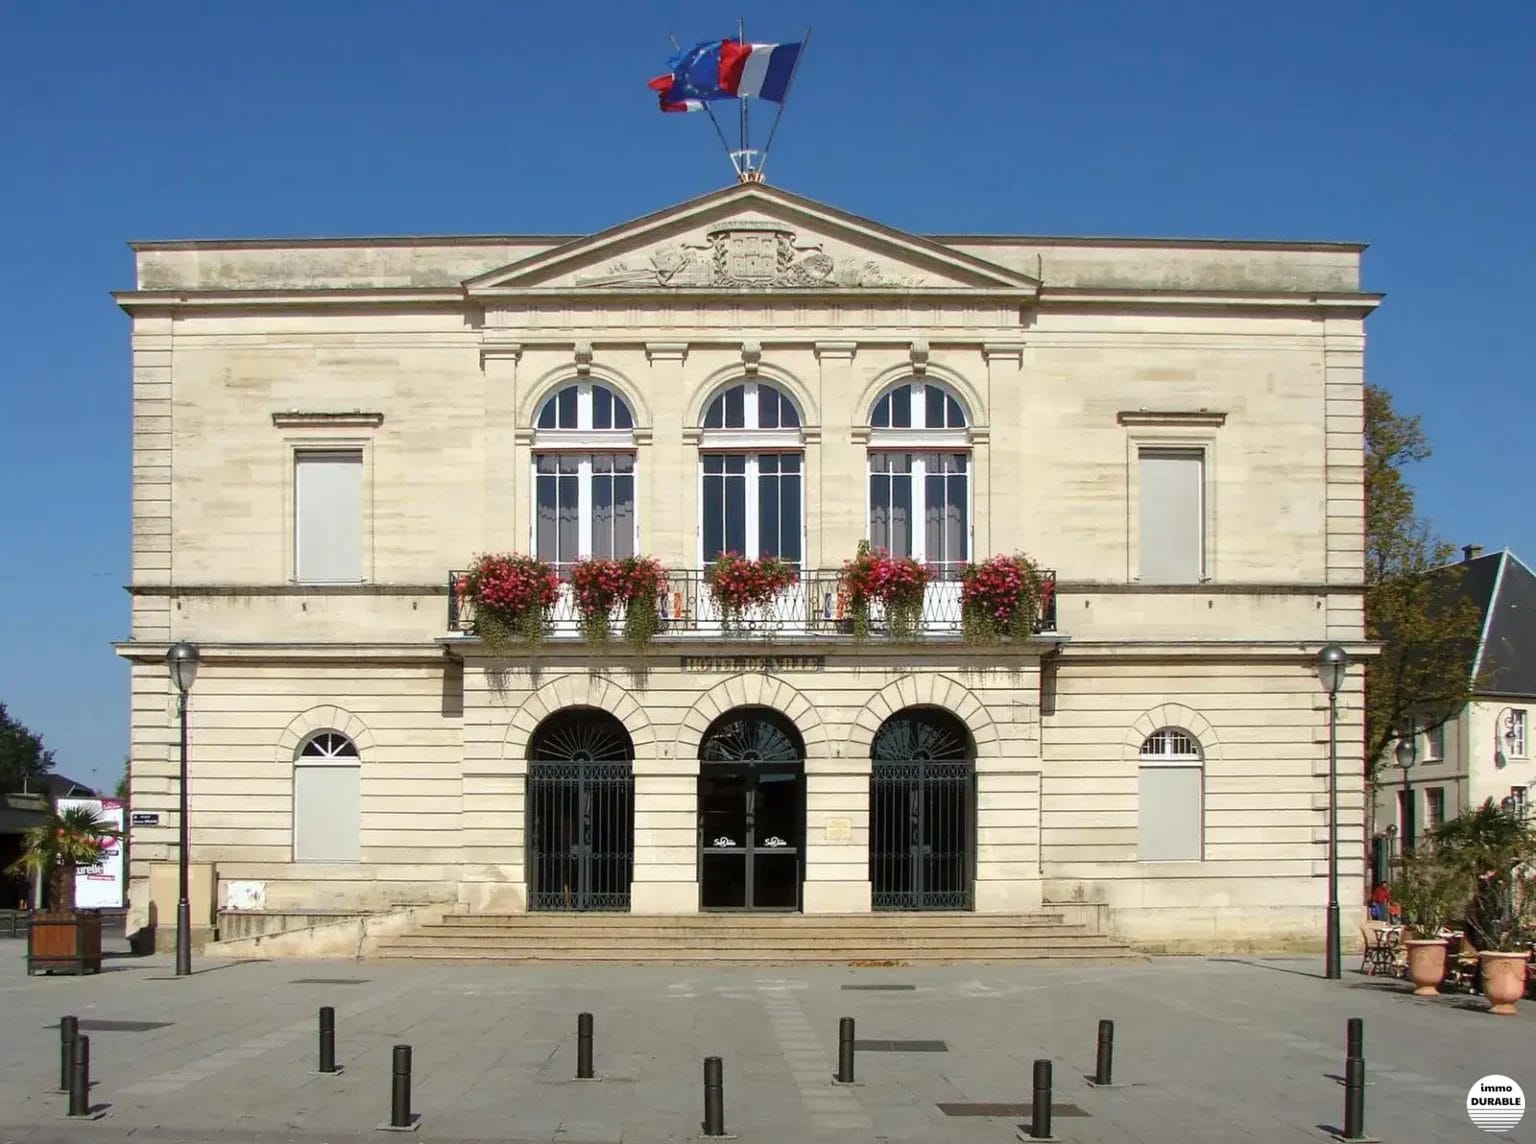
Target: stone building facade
(326,430)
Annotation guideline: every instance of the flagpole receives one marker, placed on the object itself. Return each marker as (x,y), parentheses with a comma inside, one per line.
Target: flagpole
(745,171)
(729,156)
(805,46)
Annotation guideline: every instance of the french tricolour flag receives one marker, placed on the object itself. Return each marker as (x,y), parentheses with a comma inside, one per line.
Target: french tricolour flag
(726,69)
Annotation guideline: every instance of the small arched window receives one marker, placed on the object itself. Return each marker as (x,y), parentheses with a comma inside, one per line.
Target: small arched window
(327,799)
(584,476)
(919,475)
(1170,797)
(751,469)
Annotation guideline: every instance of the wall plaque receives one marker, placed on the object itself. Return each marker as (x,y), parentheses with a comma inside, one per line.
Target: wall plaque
(767,664)
(839,830)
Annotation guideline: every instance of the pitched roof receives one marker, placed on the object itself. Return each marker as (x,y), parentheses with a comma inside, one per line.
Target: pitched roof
(1504,589)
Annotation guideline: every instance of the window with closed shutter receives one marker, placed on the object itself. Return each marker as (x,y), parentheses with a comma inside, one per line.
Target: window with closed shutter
(1170,798)
(328,517)
(1172,500)
(327,800)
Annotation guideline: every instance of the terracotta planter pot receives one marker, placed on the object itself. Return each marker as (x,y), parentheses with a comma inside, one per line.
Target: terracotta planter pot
(1503,979)
(1426,965)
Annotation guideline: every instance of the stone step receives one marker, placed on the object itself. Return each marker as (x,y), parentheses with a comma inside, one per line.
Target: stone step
(1074,954)
(756,933)
(717,921)
(491,941)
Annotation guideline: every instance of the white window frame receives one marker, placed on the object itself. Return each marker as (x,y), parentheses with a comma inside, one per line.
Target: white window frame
(1434,807)
(1518,723)
(924,444)
(585,442)
(1434,744)
(298,450)
(328,760)
(1192,759)
(752,442)
(1178,439)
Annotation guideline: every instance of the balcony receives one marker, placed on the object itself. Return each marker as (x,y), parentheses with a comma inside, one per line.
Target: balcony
(811,609)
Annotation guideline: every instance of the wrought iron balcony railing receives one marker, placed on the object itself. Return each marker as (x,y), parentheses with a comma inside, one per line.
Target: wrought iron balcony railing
(811,608)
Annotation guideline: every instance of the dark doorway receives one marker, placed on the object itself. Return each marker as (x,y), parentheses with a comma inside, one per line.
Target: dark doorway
(751,813)
(580,812)
(922,799)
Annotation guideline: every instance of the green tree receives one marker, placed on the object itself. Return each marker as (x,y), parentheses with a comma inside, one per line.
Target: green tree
(120,792)
(55,847)
(1426,625)
(22,754)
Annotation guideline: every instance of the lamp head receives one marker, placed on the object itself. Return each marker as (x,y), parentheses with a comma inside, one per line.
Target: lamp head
(1331,662)
(1407,750)
(182,660)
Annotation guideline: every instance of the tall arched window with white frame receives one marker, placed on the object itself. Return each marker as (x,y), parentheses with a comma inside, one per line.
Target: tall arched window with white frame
(752,474)
(584,476)
(920,475)
(1170,797)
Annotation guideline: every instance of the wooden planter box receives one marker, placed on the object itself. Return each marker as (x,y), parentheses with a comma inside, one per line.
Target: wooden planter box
(64,943)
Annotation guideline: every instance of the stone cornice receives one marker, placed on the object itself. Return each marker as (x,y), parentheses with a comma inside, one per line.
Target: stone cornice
(1087,297)
(1202,418)
(294,419)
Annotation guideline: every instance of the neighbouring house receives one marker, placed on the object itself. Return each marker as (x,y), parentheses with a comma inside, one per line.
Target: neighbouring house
(327,432)
(1483,751)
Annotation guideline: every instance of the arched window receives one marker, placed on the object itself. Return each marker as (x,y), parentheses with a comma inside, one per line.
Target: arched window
(919,475)
(751,467)
(1170,797)
(583,476)
(327,802)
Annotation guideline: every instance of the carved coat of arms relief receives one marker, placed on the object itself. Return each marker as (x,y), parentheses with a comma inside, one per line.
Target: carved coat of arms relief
(744,254)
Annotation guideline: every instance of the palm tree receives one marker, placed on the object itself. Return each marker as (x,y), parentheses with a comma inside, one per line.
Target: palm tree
(1492,846)
(55,847)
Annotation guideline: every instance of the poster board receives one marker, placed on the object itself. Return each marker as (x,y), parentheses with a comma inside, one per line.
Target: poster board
(100,887)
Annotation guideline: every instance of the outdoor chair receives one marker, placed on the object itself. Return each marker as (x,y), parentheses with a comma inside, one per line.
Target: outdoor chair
(1381,948)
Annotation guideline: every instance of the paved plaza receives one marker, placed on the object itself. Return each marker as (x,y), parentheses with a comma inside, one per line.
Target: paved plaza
(1217,1049)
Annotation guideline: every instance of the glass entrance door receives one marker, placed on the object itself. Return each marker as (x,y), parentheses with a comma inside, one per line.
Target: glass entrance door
(751,835)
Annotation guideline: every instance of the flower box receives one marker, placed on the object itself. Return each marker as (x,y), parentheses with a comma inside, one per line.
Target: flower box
(68,942)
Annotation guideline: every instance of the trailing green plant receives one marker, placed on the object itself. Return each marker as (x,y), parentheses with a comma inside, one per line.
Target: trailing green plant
(1493,848)
(1001,598)
(598,587)
(512,595)
(899,583)
(739,584)
(644,582)
(1433,890)
(54,848)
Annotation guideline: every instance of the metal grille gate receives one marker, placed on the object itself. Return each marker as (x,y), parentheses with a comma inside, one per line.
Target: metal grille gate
(920,847)
(581,834)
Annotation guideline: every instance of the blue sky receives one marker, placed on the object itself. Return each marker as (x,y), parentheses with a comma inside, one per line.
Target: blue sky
(1407,126)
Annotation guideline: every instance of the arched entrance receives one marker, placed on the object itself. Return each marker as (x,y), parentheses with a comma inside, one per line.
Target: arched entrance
(751,812)
(580,812)
(922,805)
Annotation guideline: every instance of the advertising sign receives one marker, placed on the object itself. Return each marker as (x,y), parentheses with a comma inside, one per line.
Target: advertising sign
(101,886)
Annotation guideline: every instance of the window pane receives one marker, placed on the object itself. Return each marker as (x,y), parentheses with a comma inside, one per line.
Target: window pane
(714,416)
(621,415)
(602,407)
(566,417)
(1172,525)
(736,463)
(736,511)
(881,418)
(767,407)
(547,415)
(714,463)
(768,463)
(879,504)
(602,516)
(545,514)
(767,510)
(712,508)
(901,508)
(1169,814)
(933,407)
(956,414)
(623,462)
(901,407)
(570,509)
(623,516)
(735,407)
(789,512)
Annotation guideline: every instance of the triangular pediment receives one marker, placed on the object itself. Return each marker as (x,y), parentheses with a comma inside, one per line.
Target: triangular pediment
(751,237)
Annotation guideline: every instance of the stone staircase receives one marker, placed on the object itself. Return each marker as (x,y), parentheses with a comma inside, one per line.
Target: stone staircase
(842,939)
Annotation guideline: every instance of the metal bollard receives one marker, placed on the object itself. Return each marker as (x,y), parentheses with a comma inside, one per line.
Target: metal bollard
(845,1051)
(327,1039)
(69,1029)
(1355,1039)
(400,1088)
(1040,1104)
(80,1077)
(714,1097)
(584,1046)
(1104,1061)
(1354,1099)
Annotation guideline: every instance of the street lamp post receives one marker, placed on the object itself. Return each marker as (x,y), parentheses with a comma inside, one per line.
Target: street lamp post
(182,660)
(1407,753)
(1332,661)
